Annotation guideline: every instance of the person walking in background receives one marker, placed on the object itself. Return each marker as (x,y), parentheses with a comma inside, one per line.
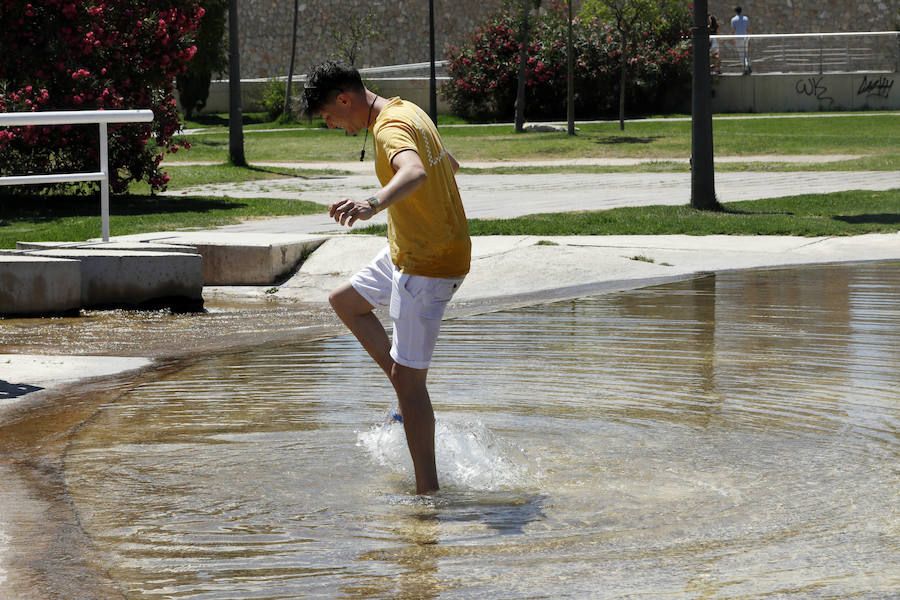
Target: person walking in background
(740,25)
(715,61)
(428,252)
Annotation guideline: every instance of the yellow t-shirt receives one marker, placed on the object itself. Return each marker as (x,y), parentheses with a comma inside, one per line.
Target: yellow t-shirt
(428,232)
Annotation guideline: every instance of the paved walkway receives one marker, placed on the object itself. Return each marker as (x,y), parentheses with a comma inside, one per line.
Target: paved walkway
(499,196)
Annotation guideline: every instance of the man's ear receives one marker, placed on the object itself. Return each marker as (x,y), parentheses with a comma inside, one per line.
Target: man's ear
(344,99)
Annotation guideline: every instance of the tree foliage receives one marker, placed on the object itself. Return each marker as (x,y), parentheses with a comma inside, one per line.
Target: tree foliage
(210,59)
(483,76)
(357,27)
(93,54)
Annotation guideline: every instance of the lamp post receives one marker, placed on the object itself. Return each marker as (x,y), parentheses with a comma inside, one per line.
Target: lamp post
(235,113)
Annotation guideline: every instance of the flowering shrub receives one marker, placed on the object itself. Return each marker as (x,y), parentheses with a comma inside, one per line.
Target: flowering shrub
(484,69)
(93,54)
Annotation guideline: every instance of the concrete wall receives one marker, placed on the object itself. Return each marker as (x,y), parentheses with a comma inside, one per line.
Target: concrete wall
(401,31)
(732,93)
(805,16)
(402,26)
(415,90)
(801,92)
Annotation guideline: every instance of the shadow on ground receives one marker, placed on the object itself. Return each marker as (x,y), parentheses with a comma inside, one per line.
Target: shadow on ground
(8,390)
(882,219)
(627,139)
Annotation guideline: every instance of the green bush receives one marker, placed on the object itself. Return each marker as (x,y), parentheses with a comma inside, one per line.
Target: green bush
(483,71)
(273,98)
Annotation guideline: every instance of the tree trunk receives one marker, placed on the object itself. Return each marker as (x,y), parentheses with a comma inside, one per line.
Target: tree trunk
(235,114)
(570,75)
(622,79)
(290,75)
(703,187)
(523,61)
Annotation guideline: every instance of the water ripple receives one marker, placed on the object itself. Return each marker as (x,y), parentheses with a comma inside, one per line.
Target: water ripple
(730,437)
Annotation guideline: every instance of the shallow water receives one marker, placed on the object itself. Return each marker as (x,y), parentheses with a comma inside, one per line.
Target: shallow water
(734,436)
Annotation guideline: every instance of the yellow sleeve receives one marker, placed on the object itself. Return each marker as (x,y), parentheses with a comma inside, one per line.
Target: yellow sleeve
(395,137)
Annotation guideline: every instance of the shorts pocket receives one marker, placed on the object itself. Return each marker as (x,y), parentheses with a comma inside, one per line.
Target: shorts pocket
(433,296)
(426,297)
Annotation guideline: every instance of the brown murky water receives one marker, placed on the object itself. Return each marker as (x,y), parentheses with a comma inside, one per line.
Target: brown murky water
(734,436)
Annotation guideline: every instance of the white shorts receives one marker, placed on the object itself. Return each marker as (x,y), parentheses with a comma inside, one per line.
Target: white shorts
(416,304)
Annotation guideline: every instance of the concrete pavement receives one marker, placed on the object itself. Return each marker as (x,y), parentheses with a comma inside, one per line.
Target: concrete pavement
(517,270)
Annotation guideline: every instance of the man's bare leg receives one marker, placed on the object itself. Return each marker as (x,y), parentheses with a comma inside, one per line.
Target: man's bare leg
(412,394)
(356,313)
(418,421)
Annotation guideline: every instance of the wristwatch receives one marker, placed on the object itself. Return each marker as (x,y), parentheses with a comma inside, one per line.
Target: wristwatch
(373,202)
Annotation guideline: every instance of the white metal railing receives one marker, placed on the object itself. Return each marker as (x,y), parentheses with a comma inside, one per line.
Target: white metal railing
(838,52)
(417,70)
(76,117)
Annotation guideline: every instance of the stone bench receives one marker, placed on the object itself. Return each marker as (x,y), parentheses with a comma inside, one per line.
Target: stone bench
(240,258)
(39,285)
(110,277)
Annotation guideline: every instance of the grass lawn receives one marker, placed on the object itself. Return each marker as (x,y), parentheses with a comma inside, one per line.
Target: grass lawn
(858,133)
(878,162)
(841,213)
(60,218)
(184,176)
(51,218)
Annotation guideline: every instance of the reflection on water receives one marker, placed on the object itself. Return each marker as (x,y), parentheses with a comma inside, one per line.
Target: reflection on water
(728,437)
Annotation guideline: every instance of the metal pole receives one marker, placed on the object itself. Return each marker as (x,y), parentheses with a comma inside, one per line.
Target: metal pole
(570,71)
(104,183)
(235,113)
(432,84)
(703,190)
(821,42)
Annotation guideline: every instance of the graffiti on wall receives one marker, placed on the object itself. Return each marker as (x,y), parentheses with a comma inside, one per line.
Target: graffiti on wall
(878,88)
(814,87)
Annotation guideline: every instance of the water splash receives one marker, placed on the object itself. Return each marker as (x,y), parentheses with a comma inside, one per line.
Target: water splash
(469,455)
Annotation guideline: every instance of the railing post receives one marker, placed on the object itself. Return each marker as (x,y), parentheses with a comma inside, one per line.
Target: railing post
(104,182)
(821,50)
(849,60)
(897,39)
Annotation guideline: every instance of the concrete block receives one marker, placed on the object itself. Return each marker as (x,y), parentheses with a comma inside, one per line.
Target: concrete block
(34,285)
(121,246)
(244,258)
(114,278)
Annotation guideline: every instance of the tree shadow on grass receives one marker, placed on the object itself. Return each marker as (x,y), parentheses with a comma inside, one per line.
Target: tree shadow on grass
(751,213)
(214,120)
(880,219)
(39,208)
(627,139)
(209,143)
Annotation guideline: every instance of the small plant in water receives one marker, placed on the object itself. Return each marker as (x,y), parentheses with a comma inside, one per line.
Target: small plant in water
(272,290)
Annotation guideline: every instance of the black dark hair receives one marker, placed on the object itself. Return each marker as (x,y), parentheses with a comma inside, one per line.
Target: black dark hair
(737,9)
(326,80)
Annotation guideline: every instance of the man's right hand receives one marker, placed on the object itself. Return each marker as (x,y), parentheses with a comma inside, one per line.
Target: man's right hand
(347,211)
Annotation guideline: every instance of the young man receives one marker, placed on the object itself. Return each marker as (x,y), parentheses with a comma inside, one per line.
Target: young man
(740,25)
(429,248)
